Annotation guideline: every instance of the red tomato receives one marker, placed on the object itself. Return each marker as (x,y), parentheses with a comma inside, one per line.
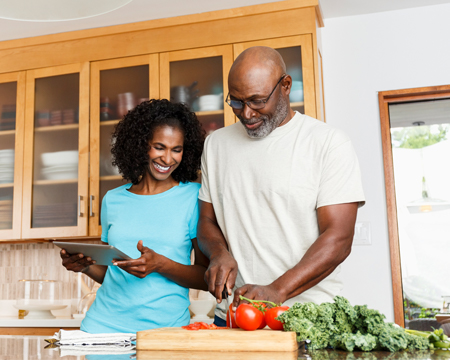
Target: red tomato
(233,318)
(271,314)
(248,317)
(263,323)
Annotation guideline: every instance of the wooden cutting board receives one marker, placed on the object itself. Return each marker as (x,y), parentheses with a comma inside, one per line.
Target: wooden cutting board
(178,339)
(217,355)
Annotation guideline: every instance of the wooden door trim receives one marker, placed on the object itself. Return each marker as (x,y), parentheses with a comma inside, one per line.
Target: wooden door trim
(19,79)
(384,99)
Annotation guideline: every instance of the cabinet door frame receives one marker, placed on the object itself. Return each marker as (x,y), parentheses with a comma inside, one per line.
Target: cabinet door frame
(306,44)
(226,51)
(83,154)
(152,61)
(19,78)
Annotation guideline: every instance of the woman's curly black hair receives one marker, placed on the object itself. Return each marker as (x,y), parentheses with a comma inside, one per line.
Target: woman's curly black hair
(133,133)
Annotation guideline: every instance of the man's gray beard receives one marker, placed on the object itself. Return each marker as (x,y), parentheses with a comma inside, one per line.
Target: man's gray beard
(269,124)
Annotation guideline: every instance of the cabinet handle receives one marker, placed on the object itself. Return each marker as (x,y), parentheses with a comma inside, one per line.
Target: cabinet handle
(90,205)
(80,214)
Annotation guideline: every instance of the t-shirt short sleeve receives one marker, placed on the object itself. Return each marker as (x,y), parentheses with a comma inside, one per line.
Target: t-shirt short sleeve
(193,221)
(340,180)
(204,193)
(104,221)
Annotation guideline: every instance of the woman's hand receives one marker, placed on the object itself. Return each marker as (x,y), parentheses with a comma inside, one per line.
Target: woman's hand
(75,262)
(148,263)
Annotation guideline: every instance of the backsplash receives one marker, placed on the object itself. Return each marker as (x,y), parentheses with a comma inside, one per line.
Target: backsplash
(34,262)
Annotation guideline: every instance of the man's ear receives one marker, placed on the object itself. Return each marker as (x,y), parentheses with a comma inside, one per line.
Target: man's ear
(286,84)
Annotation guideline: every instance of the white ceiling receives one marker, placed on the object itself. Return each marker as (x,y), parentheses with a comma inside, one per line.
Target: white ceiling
(141,10)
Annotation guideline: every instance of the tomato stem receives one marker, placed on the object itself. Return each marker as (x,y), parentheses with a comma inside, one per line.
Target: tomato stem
(257,301)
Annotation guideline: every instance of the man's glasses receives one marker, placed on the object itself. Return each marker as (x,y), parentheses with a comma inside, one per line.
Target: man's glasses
(252,104)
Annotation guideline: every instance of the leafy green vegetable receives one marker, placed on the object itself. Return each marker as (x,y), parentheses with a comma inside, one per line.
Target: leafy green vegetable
(340,325)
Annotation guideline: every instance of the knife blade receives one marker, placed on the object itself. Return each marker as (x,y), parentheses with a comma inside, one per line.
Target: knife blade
(226,298)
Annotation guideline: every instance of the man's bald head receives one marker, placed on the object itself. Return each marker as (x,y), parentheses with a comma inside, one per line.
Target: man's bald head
(253,80)
(260,58)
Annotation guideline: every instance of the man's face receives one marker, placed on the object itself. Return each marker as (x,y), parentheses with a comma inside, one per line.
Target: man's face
(259,123)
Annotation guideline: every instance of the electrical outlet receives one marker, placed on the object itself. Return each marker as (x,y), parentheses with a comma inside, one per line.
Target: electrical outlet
(362,233)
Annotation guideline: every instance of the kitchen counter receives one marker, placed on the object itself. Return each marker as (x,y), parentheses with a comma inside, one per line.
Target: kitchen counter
(35,347)
(63,322)
(11,325)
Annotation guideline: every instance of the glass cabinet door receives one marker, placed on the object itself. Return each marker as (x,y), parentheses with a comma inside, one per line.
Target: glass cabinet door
(297,55)
(12,97)
(56,152)
(117,86)
(199,79)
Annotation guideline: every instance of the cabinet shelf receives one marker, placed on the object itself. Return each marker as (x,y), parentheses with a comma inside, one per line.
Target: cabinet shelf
(297,104)
(110,177)
(208,113)
(7,132)
(7,185)
(55,182)
(109,122)
(56,128)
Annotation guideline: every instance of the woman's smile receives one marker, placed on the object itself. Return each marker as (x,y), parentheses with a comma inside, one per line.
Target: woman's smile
(160,168)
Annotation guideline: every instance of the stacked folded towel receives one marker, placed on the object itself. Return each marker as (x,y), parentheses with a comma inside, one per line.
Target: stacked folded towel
(78,342)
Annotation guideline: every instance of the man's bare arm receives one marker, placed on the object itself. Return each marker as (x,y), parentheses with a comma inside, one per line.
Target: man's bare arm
(336,228)
(222,270)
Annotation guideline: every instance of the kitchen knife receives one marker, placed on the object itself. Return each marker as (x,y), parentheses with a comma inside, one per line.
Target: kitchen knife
(227,298)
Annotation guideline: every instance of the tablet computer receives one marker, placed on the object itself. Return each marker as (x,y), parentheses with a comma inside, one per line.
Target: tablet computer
(102,254)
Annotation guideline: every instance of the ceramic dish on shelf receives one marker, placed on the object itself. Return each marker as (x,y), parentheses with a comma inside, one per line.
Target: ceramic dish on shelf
(59,158)
(210,102)
(39,297)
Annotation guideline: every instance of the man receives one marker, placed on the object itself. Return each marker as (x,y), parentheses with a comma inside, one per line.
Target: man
(279,194)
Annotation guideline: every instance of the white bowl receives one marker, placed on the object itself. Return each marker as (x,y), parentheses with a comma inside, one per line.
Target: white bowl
(201,308)
(210,102)
(59,157)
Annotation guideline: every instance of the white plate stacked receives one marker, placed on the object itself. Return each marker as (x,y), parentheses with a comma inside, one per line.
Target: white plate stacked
(60,165)
(210,102)
(6,166)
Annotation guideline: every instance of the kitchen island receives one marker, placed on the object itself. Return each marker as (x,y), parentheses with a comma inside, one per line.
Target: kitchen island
(17,347)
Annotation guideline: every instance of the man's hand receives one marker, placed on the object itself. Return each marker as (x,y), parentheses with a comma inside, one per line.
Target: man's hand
(259,292)
(147,263)
(222,271)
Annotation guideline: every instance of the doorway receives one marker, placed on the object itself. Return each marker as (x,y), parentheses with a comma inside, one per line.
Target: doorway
(415,125)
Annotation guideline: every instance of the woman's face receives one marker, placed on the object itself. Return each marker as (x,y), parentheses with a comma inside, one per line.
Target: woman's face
(165,151)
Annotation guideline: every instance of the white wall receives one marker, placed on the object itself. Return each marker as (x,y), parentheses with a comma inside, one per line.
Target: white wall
(363,55)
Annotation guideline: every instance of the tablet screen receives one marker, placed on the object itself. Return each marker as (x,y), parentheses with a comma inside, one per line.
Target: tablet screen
(102,254)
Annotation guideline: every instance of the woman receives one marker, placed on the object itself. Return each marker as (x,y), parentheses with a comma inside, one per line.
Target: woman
(153,219)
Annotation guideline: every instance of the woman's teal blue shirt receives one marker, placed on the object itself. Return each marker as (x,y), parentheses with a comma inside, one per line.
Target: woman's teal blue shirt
(166,223)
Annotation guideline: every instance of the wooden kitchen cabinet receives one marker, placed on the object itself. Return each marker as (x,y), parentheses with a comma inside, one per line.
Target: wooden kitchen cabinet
(56,152)
(68,85)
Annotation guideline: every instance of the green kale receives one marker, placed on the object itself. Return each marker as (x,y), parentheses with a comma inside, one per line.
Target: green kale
(343,304)
(349,342)
(368,320)
(339,325)
(392,338)
(417,342)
